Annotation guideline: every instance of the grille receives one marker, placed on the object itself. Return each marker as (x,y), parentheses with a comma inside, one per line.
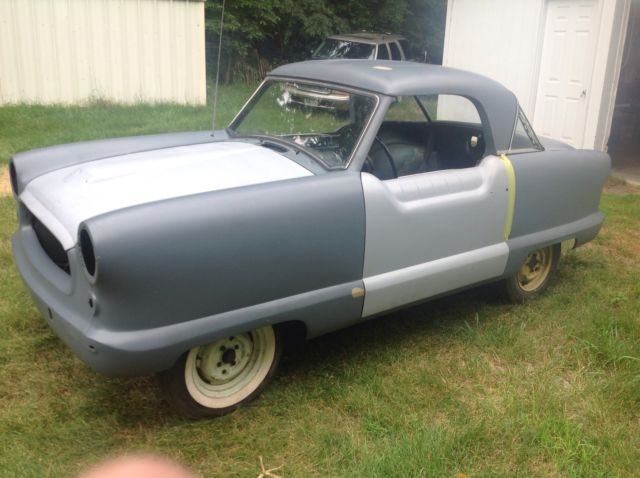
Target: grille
(50,245)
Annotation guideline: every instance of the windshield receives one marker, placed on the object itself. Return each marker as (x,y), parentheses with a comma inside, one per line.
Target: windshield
(324,122)
(332,48)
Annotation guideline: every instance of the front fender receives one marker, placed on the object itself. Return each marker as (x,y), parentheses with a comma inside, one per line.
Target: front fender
(194,260)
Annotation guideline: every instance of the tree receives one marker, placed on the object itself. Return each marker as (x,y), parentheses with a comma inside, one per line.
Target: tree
(261,33)
(424,26)
(246,23)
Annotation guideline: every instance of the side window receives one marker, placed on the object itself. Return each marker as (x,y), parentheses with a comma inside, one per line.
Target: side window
(405,47)
(422,134)
(383,52)
(524,138)
(406,108)
(451,108)
(395,51)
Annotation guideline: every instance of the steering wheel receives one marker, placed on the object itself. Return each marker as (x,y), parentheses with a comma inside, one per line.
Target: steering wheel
(387,154)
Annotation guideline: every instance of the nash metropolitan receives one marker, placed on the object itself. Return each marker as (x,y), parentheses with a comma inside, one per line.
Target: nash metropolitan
(190,254)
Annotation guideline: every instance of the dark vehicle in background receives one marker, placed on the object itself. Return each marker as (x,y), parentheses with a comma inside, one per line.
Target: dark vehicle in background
(363,46)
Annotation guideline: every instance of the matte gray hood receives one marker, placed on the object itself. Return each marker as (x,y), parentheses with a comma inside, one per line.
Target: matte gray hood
(63,198)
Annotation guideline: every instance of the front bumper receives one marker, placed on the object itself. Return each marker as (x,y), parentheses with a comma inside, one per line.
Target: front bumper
(64,301)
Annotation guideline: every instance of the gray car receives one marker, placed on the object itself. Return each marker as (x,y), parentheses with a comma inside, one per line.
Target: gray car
(191,254)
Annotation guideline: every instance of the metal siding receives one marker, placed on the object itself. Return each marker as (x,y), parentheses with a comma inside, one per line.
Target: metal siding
(73,51)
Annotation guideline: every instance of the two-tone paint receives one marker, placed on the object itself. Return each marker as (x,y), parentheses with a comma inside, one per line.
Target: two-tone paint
(200,236)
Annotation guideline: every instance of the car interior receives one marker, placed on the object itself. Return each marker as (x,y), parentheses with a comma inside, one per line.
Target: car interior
(412,147)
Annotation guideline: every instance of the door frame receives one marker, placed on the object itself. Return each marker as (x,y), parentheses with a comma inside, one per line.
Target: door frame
(612,30)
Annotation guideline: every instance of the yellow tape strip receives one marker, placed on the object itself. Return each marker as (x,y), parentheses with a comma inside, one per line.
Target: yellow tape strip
(511,195)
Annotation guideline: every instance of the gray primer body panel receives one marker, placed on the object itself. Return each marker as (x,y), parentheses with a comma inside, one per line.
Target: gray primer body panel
(34,163)
(185,271)
(418,242)
(556,187)
(557,197)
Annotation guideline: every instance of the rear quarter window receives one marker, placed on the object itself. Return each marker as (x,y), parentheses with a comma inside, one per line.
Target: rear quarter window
(524,138)
(395,51)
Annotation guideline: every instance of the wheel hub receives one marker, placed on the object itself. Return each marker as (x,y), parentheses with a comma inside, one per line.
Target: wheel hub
(221,375)
(229,356)
(533,262)
(535,269)
(225,359)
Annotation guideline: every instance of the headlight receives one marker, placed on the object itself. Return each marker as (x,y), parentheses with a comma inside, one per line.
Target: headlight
(87,252)
(14,178)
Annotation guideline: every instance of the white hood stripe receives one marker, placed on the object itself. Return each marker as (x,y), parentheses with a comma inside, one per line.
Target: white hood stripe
(62,199)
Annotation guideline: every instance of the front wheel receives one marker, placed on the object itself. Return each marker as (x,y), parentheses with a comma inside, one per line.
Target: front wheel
(535,274)
(214,379)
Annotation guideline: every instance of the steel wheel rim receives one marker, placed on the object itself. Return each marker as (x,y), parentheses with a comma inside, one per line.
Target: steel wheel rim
(225,372)
(535,269)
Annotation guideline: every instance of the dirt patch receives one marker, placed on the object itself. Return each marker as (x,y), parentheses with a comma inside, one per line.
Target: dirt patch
(5,184)
(627,244)
(619,187)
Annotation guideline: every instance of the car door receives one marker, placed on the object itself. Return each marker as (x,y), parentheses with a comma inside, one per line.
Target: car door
(433,229)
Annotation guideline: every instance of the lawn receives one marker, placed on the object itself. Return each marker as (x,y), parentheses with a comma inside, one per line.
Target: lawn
(465,384)
(27,127)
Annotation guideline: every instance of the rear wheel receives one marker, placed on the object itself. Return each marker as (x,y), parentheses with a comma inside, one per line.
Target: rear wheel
(214,379)
(535,274)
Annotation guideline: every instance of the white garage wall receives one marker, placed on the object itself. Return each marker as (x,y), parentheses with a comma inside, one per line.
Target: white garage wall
(606,77)
(503,39)
(73,51)
(499,39)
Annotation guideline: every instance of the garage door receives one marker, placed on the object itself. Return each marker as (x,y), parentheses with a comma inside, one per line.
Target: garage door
(568,57)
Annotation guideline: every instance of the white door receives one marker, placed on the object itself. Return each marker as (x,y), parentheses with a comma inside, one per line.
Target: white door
(568,56)
(433,232)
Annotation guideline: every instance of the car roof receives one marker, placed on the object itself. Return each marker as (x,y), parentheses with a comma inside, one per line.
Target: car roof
(367,37)
(405,78)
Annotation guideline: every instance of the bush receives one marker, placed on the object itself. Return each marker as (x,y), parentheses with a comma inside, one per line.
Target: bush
(261,34)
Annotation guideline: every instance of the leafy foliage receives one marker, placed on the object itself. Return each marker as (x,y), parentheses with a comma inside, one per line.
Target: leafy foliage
(259,34)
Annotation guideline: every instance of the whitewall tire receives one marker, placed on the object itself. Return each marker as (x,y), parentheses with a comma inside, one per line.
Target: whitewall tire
(216,378)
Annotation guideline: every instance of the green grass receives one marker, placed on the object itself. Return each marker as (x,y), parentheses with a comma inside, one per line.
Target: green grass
(24,127)
(464,384)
